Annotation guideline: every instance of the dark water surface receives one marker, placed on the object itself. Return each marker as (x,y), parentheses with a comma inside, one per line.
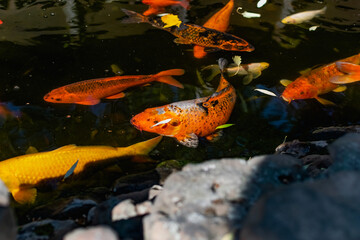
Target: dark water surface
(47,44)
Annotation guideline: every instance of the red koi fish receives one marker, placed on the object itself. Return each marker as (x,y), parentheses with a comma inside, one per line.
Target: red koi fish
(158,6)
(191,33)
(89,92)
(320,80)
(220,22)
(188,120)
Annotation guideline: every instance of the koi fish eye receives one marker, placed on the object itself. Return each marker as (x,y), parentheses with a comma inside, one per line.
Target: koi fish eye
(206,104)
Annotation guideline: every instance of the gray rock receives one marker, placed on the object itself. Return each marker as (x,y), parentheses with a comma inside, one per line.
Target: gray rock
(345,153)
(322,209)
(47,229)
(7,221)
(92,233)
(123,210)
(300,149)
(210,200)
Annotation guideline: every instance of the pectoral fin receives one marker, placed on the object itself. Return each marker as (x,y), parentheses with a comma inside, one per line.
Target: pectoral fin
(325,102)
(340,89)
(189,140)
(26,195)
(93,101)
(285,82)
(116,96)
(214,136)
(247,79)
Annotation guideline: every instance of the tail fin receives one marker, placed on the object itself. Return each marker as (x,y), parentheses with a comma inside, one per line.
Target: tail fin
(185,4)
(352,73)
(143,148)
(323,10)
(223,82)
(165,77)
(133,17)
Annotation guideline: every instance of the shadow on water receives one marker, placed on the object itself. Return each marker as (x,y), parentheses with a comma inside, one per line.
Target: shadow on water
(44,45)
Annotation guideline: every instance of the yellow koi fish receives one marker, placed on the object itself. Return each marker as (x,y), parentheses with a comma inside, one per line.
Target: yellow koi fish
(21,174)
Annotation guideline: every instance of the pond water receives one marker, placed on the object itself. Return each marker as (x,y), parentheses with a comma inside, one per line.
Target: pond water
(47,44)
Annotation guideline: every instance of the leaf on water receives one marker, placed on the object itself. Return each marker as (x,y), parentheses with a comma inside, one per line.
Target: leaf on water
(264,91)
(71,170)
(116,70)
(237,61)
(313,28)
(161,122)
(247,14)
(225,126)
(171,20)
(261,3)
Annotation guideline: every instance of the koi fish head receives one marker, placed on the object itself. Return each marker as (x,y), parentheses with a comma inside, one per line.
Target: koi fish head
(157,120)
(60,95)
(298,91)
(263,65)
(289,20)
(237,45)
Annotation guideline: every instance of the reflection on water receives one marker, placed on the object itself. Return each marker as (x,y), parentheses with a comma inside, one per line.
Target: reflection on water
(48,44)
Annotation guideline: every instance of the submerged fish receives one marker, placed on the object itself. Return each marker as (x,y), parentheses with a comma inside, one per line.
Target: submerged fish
(89,92)
(158,6)
(250,71)
(301,17)
(316,82)
(21,174)
(188,120)
(193,34)
(219,21)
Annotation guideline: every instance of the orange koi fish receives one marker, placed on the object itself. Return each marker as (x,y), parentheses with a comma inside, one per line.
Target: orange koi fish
(23,173)
(317,81)
(188,120)
(220,22)
(158,6)
(89,92)
(193,34)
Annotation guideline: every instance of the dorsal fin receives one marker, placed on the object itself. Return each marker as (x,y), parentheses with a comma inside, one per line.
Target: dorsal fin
(66,148)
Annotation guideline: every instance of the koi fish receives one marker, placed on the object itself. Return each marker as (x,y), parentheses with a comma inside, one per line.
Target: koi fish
(301,17)
(193,34)
(250,71)
(220,22)
(317,81)
(22,174)
(188,120)
(89,92)
(158,6)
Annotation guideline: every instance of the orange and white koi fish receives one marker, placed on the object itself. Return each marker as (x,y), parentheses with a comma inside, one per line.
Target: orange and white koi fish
(192,34)
(158,6)
(317,81)
(220,22)
(89,92)
(301,17)
(22,174)
(188,120)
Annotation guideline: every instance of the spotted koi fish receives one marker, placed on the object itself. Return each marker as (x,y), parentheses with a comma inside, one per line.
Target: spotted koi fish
(318,81)
(89,92)
(219,21)
(188,120)
(193,34)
